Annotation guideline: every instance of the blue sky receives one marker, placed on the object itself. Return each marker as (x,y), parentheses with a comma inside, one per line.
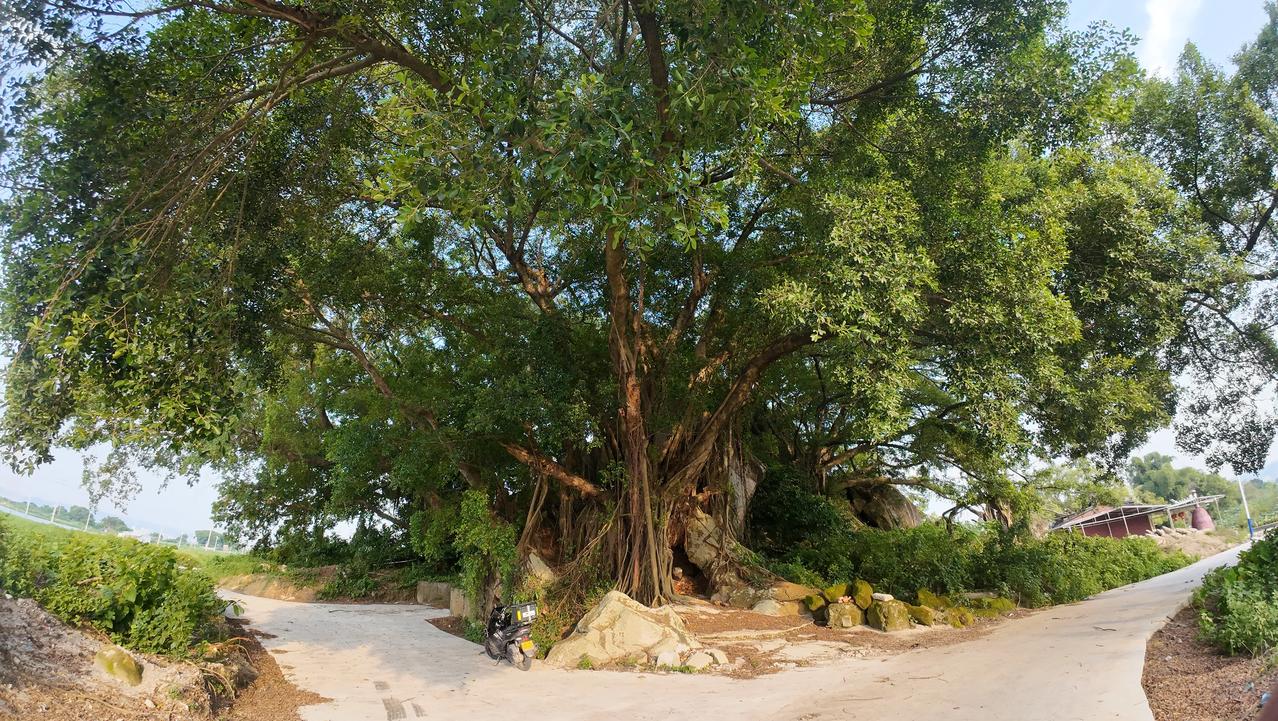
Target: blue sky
(1217,27)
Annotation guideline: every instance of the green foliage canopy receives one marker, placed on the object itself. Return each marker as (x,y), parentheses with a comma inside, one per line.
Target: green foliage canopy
(374,259)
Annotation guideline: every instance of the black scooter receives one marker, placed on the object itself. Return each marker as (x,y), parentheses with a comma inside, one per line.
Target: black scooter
(508,629)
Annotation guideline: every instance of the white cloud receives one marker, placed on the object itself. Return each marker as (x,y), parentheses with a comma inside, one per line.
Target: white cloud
(1168,29)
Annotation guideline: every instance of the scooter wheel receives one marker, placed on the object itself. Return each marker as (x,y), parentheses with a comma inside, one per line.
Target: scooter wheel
(525,662)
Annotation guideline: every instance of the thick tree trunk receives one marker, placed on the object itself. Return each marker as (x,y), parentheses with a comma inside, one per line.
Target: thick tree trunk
(643,550)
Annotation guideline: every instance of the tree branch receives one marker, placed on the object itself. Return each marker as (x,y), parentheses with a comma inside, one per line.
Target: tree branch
(541,464)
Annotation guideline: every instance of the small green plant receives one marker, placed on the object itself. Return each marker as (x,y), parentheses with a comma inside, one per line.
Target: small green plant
(585,664)
(474,631)
(352,580)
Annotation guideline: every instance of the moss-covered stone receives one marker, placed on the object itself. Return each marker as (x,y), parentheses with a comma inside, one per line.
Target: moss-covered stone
(933,600)
(924,615)
(117,663)
(861,593)
(835,592)
(959,617)
(815,602)
(844,615)
(991,607)
(888,615)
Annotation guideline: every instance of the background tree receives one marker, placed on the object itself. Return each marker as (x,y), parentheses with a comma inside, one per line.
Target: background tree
(1215,135)
(1155,474)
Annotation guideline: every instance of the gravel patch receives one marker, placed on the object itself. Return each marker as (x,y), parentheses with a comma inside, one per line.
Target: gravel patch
(1186,679)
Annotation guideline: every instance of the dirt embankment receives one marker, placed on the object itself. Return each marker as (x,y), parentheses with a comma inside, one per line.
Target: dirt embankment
(268,585)
(1196,544)
(1186,679)
(47,672)
(308,586)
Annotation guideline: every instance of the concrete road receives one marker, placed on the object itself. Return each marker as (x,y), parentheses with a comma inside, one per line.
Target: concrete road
(1081,661)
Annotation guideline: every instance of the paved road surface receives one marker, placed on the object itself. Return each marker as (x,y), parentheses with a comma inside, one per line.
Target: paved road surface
(386,663)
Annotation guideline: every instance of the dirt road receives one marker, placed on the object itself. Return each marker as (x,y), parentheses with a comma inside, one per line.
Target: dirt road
(1081,661)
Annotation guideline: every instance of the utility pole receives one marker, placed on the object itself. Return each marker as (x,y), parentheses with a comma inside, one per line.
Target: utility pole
(208,541)
(86,522)
(1251,527)
(28,511)
(54,517)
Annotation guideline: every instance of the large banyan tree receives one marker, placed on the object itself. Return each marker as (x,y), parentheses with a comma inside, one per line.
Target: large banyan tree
(601,262)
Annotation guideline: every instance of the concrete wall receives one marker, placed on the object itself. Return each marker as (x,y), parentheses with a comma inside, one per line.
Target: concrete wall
(433,593)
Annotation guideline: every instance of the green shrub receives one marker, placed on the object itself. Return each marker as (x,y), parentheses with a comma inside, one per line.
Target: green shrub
(136,593)
(488,548)
(1238,606)
(140,595)
(898,561)
(352,580)
(1059,568)
(784,514)
(795,572)
(24,562)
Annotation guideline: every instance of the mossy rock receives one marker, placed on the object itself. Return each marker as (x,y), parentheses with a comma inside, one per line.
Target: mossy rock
(835,592)
(888,615)
(933,600)
(815,602)
(861,593)
(992,607)
(960,617)
(924,615)
(117,663)
(844,615)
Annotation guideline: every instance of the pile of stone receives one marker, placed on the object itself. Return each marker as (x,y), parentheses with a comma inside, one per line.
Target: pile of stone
(622,631)
(847,605)
(1178,531)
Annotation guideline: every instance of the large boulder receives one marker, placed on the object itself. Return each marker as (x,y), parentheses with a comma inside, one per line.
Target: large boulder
(883,506)
(843,615)
(862,593)
(786,591)
(991,607)
(933,600)
(769,607)
(960,617)
(620,628)
(713,550)
(837,591)
(888,615)
(537,571)
(924,616)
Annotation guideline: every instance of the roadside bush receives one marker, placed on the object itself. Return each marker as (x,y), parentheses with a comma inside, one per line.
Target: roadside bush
(1063,568)
(353,580)
(898,561)
(136,593)
(24,563)
(1238,606)
(140,595)
(1059,568)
